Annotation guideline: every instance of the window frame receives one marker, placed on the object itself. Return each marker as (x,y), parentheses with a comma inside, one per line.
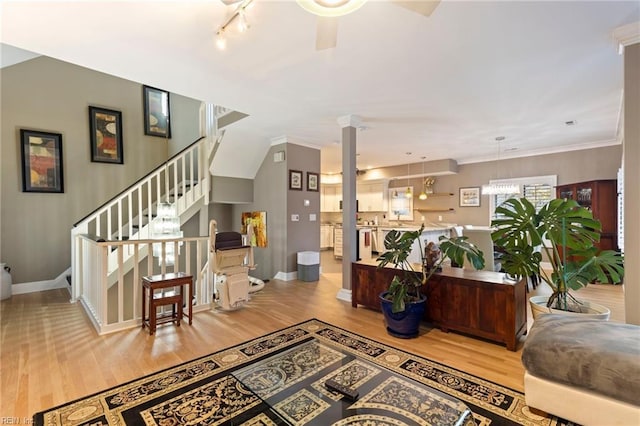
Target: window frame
(551,180)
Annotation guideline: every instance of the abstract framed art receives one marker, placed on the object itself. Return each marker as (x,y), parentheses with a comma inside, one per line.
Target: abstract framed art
(156,112)
(41,155)
(105,127)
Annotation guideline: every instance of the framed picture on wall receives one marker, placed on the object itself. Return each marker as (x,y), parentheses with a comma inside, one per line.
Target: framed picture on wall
(470,197)
(312,182)
(41,155)
(156,112)
(295,180)
(105,127)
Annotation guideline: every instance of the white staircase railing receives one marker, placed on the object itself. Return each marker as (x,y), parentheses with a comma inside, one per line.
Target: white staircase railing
(111,247)
(117,307)
(184,180)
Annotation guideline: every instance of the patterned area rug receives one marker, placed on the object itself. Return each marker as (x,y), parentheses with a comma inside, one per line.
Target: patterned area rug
(279,379)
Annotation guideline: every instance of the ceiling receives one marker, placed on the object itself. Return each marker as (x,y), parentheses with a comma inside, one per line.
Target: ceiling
(443,86)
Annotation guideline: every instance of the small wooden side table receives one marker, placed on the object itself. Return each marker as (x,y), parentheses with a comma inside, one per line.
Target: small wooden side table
(156,282)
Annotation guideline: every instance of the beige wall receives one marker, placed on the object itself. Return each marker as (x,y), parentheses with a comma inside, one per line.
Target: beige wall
(51,95)
(269,195)
(303,235)
(570,167)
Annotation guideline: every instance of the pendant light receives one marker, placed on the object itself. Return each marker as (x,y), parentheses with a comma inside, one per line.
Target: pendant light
(407,193)
(498,188)
(423,194)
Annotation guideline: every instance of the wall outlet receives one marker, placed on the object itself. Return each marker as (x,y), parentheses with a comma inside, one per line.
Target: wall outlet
(312,217)
(439,218)
(422,218)
(295,218)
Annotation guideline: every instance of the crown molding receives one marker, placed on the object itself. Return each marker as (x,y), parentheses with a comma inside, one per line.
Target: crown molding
(350,121)
(627,34)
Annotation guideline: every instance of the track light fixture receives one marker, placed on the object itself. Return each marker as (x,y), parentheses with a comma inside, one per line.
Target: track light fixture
(240,15)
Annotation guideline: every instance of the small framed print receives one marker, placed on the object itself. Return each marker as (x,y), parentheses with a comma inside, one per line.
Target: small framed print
(295,180)
(312,182)
(41,154)
(470,197)
(156,112)
(105,135)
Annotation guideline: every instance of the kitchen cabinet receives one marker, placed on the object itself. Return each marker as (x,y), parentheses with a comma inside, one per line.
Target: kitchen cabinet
(371,197)
(364,243)
(337,242)
(601,197)
(330,197)
(326,236)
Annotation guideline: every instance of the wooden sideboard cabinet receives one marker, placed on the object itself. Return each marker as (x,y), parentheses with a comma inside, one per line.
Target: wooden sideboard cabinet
(601,197)
(479,303)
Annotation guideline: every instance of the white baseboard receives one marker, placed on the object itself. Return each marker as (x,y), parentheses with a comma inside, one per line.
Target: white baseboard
(286,276)
(35,286)
(344,295)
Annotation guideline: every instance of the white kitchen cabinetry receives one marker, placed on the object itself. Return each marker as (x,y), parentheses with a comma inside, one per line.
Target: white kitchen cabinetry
(371,197)
(337,242)
(330,196)
(326,236)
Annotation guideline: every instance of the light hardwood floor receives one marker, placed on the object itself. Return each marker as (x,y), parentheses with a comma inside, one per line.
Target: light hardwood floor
(51,354)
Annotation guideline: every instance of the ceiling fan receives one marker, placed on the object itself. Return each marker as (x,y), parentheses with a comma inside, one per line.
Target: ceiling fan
(328,12)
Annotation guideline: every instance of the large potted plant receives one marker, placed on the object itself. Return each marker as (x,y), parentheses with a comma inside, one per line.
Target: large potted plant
(402,303)
(567,234)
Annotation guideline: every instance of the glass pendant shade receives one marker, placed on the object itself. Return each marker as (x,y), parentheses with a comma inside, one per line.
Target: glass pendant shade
(501,189)
(166,226)
(408,193)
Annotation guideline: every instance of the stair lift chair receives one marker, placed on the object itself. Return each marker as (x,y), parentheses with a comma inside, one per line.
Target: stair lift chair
(230,260)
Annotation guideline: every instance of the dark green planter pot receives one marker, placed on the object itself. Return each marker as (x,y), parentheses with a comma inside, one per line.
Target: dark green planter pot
(405,324)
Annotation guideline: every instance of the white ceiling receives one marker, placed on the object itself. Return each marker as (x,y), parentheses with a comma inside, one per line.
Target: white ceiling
(439,87)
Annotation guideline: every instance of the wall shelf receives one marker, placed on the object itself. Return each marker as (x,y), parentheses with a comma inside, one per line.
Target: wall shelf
(436,210)
(440,194)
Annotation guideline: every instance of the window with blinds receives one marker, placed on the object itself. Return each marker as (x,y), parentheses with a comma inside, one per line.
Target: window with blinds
(539,190)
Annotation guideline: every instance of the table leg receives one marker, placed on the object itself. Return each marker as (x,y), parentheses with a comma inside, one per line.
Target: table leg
(190,302)
(144,304)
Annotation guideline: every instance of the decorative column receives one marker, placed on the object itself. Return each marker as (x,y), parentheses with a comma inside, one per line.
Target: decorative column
(629,38)
(349,125)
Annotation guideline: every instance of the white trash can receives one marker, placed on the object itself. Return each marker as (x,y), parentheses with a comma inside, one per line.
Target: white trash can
(309,265)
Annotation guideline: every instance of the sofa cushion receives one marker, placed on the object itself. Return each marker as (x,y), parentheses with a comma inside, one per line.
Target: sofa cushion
(600,356)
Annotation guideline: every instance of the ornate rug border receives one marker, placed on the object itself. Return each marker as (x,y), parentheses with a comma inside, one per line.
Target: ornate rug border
(251,351)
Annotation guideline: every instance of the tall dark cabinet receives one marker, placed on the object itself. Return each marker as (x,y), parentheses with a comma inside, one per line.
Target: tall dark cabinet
(601,197)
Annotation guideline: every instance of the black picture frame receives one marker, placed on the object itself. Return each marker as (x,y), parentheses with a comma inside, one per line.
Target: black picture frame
(157,112)
(105,135)
(42,163)
(313,182)
(295,180)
